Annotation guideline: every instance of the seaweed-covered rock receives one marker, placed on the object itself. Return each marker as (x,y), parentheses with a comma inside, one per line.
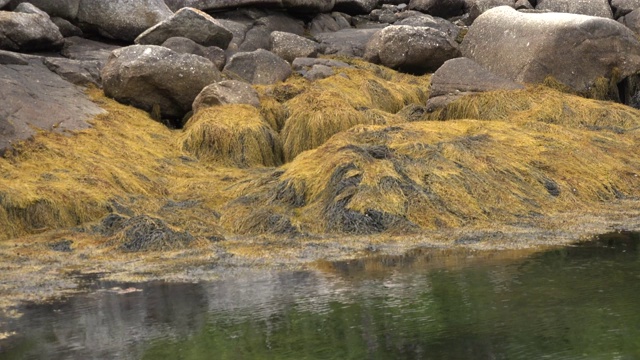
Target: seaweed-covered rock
(20,31)
(226,92)
(599,8)
(410,48)
(258,67)
(188,23)
(143,233)
(149,76)
(575,49)
(232,135)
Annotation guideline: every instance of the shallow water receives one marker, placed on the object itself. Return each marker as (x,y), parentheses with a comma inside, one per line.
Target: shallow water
(578,302)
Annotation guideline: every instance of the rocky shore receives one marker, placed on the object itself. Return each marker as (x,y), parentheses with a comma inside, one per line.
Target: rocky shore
(155,139)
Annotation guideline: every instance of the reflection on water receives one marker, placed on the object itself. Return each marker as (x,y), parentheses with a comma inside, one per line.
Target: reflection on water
(573,303)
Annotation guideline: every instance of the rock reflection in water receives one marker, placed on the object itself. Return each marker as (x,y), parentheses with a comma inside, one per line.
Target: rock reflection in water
(573,303)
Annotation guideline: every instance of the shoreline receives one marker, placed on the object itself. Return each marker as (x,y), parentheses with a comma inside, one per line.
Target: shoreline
(34,273)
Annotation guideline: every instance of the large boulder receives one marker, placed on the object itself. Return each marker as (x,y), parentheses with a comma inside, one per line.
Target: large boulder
(122,19)
(150,76)
(425,20)
(575,49)
(411,48)
(291,46)
(461,76)
(226,92)
(35,98)
(188,23)
(187,46)
(258,67)
(27,32)
(585,7)
(439,8)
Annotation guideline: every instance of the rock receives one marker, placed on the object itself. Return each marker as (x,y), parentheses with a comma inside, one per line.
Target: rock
(346,42)
(3,3)
(437,23)
(574,49)
(67,9)
(290,46)
(27,8)
(306,63)
(258,67)
(78,48)
(308,6)
(461,76)
(585,7)
(78,72)
(187,46)
(188,23)
(355,7)
(67,29)
(28,32)
(318,72)
(632,20)
(257,36)
(147,76)
(122,19)
(226,92)
(326,23)
(439,8)
(12,58)
(383,16)
(476,7)
(623,7)
(35,98)
(410,48)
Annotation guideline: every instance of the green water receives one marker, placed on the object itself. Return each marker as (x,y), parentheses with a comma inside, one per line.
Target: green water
(579,302)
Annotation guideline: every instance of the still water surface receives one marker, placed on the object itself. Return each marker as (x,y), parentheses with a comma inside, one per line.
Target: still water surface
(580,302)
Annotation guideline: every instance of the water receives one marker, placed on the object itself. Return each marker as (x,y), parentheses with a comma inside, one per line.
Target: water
(573,303)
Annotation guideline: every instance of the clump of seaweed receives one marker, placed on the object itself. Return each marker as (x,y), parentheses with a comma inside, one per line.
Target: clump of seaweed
(232,135)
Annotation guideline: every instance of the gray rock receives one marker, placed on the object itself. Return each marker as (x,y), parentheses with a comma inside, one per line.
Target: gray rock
(188,23)
(78,48)
(35,98)
(384,16)
(439,8)
(461,76)
(67,29)
(67,9)
(318,72)
(575,49)
(28,32)
(324,23)
(257,36)
(3,3)
(475,8)
(291,46)
(122,19)
(346,42)
(632,20)
(146,76)
(12,58)
(306,63)
(187,46)
(355,7)
(310,6)
(585,7)
(258,67)
(78,72)
(226,92)
(28,8)
(411,49)
(623,7)
(437,23)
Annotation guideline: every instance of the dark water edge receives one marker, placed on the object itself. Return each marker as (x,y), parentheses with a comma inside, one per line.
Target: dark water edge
(577,302)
